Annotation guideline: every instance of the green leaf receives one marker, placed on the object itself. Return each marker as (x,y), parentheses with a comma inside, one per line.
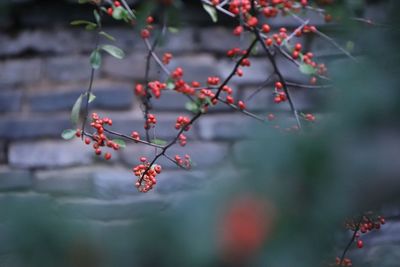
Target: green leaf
(170,84)
(159,142)
(95,59)
(76,109)
(82,22)
(350,46)
(97,17)
(120,13)
(68,134)
(211,11)
(208,101)
(119,142)
(91,27)
(191,106)
(92,97)
(114,51)
(83,1)
(307,69)
(108,36)
(173,29)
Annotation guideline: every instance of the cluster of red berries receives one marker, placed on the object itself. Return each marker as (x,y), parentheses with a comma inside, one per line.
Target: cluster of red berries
(182,139)
(368,223)
(280,96)
(309,117)
(146,175)
(182,122)
(166,58)
(238,6)
(110,10)
(182,86)
(297,50)
(151,121)
(135,135)
(145,33)
(345,262)
(235,52)
(156,87)
(213,80)
(99,138)
(184,162)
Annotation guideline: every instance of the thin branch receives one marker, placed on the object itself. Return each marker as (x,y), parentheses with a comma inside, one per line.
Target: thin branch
(132,139)
(280,76)
(246,112)
(351,241)
(300,85)
(328,38)
(265,83)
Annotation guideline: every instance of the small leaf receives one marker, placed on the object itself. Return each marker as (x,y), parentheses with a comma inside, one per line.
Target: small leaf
(108,36)
(97,17)
(307,69)
(159,142)
(82,22)
(208,101)
(170,84)
(350,46)
(91,27)
(119,142)
(211,11)
(95,59)
(119,13)
(92,97)
(173,29)
(76,109)
(68,134)
(114,51)
(191,106)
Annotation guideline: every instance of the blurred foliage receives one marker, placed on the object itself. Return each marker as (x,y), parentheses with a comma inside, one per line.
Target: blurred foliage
(286,206)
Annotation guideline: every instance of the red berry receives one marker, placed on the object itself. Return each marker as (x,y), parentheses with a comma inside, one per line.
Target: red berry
(229,99)
(278,85)
(266,28)
(110,11)
(149,20)
(360,243)
(241,105)
(252,21)
(238,30)
(107,156)
(145,33)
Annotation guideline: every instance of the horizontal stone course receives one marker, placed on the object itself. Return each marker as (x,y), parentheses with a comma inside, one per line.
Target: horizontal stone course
(49,154)
(10,101)
(106,98)
(17,128)
(19,71)
(68,68)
